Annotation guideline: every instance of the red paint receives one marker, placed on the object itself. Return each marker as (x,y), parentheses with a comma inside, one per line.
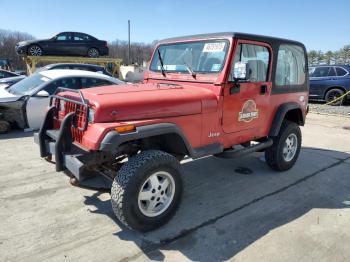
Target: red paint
(198,106)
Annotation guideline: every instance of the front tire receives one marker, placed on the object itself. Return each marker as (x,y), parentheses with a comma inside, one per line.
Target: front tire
(35,50)
(147,190)
(4,127)
(93,53)
(285,149)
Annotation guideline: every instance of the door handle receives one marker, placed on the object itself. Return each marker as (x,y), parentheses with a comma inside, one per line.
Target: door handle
(263,89)
(235,89)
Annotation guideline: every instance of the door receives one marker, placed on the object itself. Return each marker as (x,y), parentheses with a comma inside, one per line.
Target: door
(246,103)
(37,104)
(81,43)
(62,44)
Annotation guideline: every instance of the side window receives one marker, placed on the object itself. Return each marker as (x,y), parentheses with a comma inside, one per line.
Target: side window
(87,82)
(81,37)
(340,71)
(331,72)
(72,83)
(290,68)
(63,37)
(257,57)
(322,71)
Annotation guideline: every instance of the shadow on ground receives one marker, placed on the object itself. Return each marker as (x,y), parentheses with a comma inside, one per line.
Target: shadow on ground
(236,208)
(16,133)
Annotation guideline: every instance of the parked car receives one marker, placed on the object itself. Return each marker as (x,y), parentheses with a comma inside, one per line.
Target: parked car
(329,82)
(65,43)
(87,67)
(9,81)
(202,95)
(24,103)
(5,73)
(5,63)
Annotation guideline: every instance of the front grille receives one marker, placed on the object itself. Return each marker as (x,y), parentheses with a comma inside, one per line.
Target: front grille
(79,119)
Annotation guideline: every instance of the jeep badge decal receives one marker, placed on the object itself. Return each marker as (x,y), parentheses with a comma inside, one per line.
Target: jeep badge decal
(249,112)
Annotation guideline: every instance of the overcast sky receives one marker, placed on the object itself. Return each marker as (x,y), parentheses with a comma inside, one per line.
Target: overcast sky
(321,25)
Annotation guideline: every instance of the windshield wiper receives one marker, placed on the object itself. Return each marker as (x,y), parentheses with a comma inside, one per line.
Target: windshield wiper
(161,63)
(190,70)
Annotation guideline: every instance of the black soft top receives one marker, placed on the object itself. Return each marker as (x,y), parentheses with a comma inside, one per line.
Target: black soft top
(261,38)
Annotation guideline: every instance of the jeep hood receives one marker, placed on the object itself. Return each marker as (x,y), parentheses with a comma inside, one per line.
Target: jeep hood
(147,101)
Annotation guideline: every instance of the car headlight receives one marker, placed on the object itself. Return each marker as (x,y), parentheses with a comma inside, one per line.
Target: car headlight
(91,116)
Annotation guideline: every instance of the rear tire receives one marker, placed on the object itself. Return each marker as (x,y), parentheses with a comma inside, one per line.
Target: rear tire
(93,53)
(147,190)
(333,94)
(285,150)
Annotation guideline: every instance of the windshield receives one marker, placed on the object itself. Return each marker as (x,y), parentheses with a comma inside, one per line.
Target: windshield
(199,57)
(28,84)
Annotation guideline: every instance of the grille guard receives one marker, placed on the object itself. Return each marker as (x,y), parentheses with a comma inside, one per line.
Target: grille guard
(84,102)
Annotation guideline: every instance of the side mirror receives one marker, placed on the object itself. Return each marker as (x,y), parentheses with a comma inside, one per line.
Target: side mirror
(241,71)
(42,93)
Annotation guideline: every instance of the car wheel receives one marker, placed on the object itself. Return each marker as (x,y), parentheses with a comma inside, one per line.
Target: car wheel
(333,94)
(4,127)
(285,149)
(35,50)
(93,52)
(147,190)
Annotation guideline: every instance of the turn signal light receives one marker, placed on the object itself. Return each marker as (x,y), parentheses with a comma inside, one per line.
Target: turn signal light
(125,129)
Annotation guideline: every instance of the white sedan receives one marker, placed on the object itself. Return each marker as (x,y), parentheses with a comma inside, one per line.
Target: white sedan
(24,103)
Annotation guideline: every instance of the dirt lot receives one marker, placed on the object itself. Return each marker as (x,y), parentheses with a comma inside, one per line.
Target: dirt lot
(300,215)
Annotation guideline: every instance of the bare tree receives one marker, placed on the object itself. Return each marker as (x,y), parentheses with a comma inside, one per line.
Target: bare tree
(8,40)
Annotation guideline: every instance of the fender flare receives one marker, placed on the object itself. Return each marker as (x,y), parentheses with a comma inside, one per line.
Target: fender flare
(280,115)
(113,139)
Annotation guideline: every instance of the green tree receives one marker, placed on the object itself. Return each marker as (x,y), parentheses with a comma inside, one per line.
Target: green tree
(328,57)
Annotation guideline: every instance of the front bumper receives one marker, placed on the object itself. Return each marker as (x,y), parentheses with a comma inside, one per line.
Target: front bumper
(82,164)
(21,50)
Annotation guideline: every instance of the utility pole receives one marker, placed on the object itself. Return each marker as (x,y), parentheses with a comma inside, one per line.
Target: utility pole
(129,42)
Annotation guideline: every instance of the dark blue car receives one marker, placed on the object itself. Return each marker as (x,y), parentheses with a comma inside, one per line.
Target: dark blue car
(329,82)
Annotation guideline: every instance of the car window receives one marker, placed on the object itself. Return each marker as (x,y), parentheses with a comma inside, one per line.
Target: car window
(341,71)
(28,84)
(290,68)
(63,37)
(322,71)
(81,67)
(331,72)
(69,82)
(60,67)
(81,37)
(257,57)
(4,74)
(87,82)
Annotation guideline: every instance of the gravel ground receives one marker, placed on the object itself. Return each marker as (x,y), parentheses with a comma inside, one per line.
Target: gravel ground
(321,108)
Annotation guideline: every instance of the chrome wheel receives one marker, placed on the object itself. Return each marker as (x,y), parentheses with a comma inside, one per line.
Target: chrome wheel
(290,147)
(35,50)
(93,52)
(156,194)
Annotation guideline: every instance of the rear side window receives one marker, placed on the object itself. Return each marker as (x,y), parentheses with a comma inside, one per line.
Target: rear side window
(290,68)
(340,71)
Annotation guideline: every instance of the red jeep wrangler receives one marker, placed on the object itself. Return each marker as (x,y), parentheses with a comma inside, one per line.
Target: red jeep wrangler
(223,94)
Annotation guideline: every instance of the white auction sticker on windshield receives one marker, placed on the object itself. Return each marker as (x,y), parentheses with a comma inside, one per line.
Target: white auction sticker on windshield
(214,47)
